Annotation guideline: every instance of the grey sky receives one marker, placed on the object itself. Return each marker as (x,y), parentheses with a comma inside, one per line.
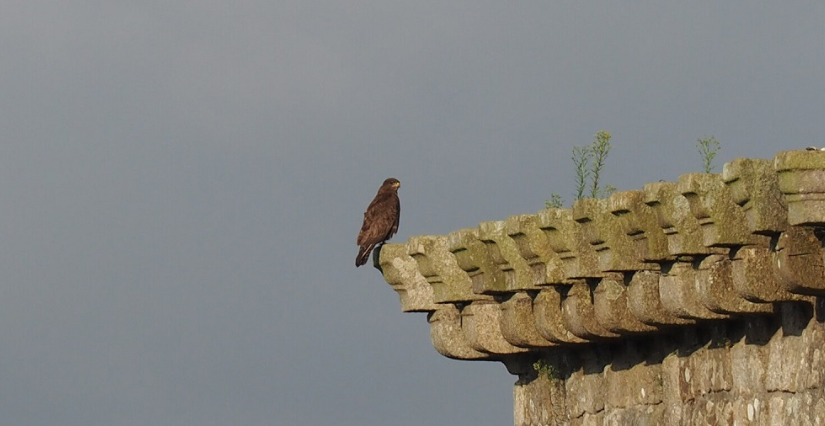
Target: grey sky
(182,182)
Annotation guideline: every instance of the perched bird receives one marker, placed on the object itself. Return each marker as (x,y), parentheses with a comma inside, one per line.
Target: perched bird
(380,219)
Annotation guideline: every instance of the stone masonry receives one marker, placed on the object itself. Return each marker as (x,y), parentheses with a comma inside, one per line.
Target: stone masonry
(697,302)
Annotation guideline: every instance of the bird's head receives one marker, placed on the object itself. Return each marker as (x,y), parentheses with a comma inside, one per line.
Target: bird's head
(392,183)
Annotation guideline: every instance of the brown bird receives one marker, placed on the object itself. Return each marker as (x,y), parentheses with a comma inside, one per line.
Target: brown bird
(380,219)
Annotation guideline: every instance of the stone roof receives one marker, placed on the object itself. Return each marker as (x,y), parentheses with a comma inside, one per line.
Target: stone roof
(708,247)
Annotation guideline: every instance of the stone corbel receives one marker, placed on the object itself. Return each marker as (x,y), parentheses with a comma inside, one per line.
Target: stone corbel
(684,235)
(754,186)
(401,272)
(547,310)
(533,247)
(638,221)
(755,277)
(802,181)
(518,324)
(447,336)
(722,221)
(799,261)
(563,235)
(480,322)
(504,253)
(579,316)
(473,258)
(440,268)
(715,288)
(644,301)
(602,231)
(610,301)
(679,293)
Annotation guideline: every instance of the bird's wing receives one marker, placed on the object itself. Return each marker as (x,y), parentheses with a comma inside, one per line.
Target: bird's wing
(378,220)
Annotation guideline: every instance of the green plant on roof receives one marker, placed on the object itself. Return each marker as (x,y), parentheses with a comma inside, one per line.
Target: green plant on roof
(708,148)
(588,162)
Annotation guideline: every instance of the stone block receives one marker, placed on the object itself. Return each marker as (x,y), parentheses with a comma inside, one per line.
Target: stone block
(630,380)
(644,301)
(588,419)
(748,368)
(610,301)
(547,311)
(518,325)
(683,231)
(795,361)
(585,388)
(440,268)
(710,412)
(533,401)
(578,258)
(707,370)
(505,255)
(750,412)
(803,409)
(755,277)
(802,180)
(644,415)
(480,322)
(639,222)
(603,232)
(401,272)
(673,415)
(534,248)
(674,387)
(755,188)
(680,296)
(447,336)
(714,282)
(578,314)
(799,260)
(473,258)
(721,221)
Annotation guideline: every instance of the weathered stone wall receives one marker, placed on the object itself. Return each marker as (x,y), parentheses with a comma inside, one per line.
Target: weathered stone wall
(762,370)
(693,302)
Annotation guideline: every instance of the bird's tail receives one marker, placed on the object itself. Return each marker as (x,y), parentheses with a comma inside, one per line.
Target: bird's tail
(363,254)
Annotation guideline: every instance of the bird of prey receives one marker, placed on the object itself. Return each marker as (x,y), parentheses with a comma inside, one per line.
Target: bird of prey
(380,219)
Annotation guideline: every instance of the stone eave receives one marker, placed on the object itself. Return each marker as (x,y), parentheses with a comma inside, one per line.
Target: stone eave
(673,254)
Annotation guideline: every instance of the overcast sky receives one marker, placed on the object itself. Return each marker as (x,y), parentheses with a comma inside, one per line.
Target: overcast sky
(182,182)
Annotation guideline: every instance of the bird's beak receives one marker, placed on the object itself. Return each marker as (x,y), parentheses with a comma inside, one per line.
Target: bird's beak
(396,185)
